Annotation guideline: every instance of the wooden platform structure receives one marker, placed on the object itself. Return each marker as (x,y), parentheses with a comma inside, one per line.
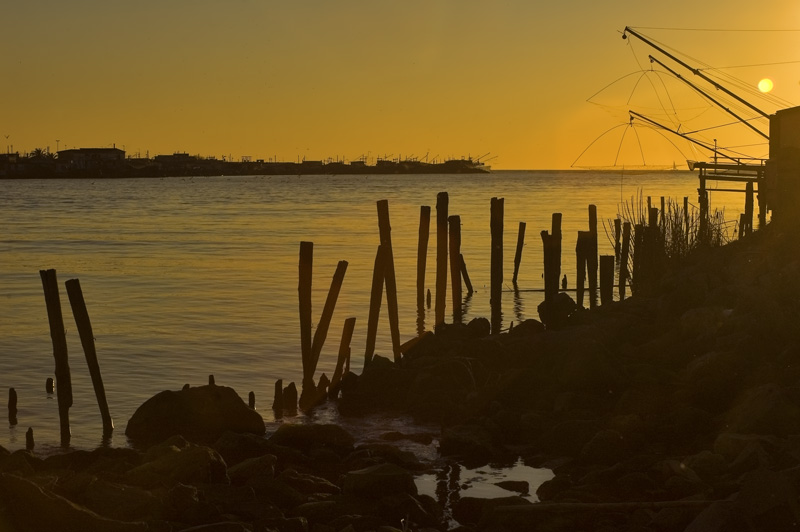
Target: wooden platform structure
(752,176)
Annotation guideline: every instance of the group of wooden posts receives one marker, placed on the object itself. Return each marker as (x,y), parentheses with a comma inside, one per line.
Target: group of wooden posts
(448,242)
(63,379)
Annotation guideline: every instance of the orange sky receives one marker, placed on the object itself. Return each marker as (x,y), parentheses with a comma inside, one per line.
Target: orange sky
(320,79)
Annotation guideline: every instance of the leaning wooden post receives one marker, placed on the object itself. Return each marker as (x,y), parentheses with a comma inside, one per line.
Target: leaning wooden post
(518,254)
(496,286)
(465,275)
(624,273)
(322,332)
(344,355)
(374,305)
(389,277)
(84,325)
(591,258)
(454,223)
(442,202)
(606,279)
(422,252)
(63,379)
(304,295)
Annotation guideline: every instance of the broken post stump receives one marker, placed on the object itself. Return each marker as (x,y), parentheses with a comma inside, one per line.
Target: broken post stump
(84,325)
(63,378)
(12,406)
(49,385)
(465,275)
(251,400)
(606,279)
(277,398)
(29,443)
(290,399)
(344,357)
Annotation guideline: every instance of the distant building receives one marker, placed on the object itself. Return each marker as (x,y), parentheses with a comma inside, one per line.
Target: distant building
(90,158)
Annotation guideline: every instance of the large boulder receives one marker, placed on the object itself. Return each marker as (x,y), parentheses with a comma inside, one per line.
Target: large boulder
(203,413)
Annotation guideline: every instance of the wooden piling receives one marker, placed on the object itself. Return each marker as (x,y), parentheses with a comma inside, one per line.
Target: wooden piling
(428,298)
(211,381)
(686,222)
(606,279)
(422,252)
(518,254)
(376,295)
(304,295)
(742,225)
(617,236)
(582,249)
(465,275)
(251,400)
(624,272)
(454,223)
(86,334)
(290,399)
(389,276)
(748,207)
(322,327)
(64,389)
(591,256)
(442,202)
(29,443)
(702,193)
(12,406)
(49,385)
(277,398)
(496,283)
(638,257)
(344,356)
(662,218)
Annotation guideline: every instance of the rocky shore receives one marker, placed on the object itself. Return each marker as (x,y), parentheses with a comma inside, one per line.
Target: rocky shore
(679,410)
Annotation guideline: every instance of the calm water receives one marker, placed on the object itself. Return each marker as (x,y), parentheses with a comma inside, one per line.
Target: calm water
(189,277)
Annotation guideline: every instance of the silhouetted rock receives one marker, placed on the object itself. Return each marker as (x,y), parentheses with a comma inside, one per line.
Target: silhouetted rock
(471,443)
(201,413)
(379,481)
(308,437)
(178,461)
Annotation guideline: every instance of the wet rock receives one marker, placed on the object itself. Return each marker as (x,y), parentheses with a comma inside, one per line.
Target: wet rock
(529,327)
(471,510)
(470,442)
(768,409)
(605,447)
(202,413)
(307,484)
(413,512)
(375,453)
(549,489)
(36,509)
(707,464)
(769,498)
(21,462)
(519,486)
(120,502)
(562,307)
(378,481)
(178,461)
(720,516)
(292,524)
(236,447)
(479,327)
(568,437)
(253,469)
(308,437)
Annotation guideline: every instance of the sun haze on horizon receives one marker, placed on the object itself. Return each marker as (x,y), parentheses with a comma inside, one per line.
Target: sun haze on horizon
(349,79)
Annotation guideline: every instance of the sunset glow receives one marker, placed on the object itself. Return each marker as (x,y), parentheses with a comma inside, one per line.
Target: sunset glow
(765,85)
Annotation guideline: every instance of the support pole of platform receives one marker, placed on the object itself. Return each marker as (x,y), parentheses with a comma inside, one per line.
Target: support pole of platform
(518,254)
(617,236)
(591,256)
(391,282)
(442,202)
(304,295)
(624,272)
(748,207)
(422,252)
(63,378)
(376,295)
(702,232)
(84,324)
(496,286)
(581,254)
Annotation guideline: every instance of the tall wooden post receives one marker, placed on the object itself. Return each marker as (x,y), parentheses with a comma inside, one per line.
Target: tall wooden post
(606,279)
(624,272)
(374,305)
(638,257)
(748,206)
(555,238)
(455,265)
(304,296)
(87,340)
(496,283)
(518,254)
(63,378)
(422,252)
(617,237)
(686,223)
(582,248)
(442,202)
(591,256)
(389,277)
(702,232)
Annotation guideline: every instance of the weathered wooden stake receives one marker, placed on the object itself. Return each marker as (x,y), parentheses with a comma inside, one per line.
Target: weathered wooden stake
(496,286)
(290,399)
(49,385)
(29,444)
(422,252)
(64,389)
(304,295)
(277,398)
(322,327)
(662,223)
(638,257)
(211,381)
(376,295)
(582,250)
(591,256)
(624,274)
(442,202)
(748,207)
(12,406)
(389,276)
(606,279)
(344,356)
(702,233)
(518,254)
(742,225)
(465,275)
(454,223)
(251,400)
(428,299)
(84,325)
(617,236)
(686,222)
